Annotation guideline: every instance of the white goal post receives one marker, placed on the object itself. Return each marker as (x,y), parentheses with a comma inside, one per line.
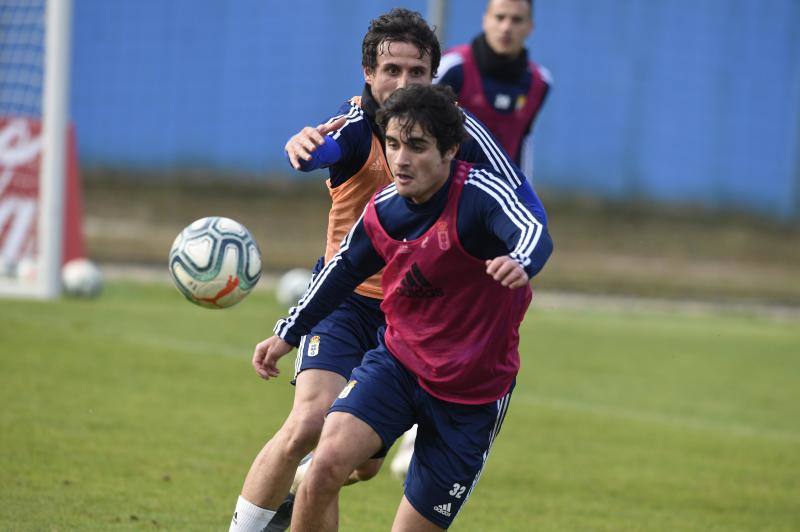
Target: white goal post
(34,89)
(437,17)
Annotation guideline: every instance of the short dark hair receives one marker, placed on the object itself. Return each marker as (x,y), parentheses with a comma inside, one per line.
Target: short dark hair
(530,3)
(400,25)
(433,107)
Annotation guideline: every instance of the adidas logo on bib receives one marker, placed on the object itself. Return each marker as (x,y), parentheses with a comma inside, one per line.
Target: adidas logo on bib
(443,509)
(414,284)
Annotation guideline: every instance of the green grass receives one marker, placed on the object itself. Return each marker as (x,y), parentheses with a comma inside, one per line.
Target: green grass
(138,411)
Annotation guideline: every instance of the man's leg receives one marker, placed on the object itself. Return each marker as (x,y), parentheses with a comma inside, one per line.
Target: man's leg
(407,519)
(453,443)
(346,442)
(272,472)
(365,471)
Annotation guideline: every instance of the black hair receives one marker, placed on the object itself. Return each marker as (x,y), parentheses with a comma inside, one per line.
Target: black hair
(400,25)
(433,107)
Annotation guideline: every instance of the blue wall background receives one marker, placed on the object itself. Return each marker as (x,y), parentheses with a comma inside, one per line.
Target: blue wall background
(672,100)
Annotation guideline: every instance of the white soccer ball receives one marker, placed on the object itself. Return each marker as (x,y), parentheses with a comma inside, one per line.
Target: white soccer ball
(81,278)
(292,285)
(215,262)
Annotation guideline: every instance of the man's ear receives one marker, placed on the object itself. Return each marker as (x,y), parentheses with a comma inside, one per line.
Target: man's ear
(368,75)
(450,154)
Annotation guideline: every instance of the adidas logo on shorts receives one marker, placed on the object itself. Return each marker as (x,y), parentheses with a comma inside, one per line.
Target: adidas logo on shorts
(443,509)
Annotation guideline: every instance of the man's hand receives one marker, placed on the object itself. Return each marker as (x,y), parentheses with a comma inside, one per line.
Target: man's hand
(267,354)
(507,272)
(304,143)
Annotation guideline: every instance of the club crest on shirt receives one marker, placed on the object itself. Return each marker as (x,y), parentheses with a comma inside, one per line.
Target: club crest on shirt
(313,346)
(404,247)
(502,101)
(522,99)
(442,236)
(346,391)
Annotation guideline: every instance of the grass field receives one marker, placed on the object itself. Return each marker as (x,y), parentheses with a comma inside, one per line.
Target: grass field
(139,411)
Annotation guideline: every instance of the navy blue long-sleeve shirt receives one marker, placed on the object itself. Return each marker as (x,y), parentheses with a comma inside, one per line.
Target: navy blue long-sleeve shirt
(491,221)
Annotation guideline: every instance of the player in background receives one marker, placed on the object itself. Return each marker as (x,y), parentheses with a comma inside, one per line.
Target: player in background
(399,50)
(457,248)
(495,80)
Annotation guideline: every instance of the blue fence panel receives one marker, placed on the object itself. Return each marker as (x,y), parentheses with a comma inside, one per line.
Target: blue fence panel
(672,100)
(217,85)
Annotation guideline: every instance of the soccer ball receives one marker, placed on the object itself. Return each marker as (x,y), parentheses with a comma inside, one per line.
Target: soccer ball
(215,262)
(292,285)
(81,278)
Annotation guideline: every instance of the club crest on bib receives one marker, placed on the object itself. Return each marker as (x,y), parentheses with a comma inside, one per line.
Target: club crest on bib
(443,236)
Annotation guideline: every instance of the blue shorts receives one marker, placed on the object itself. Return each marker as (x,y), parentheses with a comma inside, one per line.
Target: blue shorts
(338,342)
(453,440)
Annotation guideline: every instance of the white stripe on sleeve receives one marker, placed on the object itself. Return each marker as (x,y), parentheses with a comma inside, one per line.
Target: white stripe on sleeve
(496,155)
(356,114)
(518,214)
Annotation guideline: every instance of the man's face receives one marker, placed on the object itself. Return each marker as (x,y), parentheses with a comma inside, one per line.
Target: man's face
(418,168)
(507,23)
(399,65)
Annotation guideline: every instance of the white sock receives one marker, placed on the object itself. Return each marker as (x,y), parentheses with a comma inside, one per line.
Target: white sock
(249,518)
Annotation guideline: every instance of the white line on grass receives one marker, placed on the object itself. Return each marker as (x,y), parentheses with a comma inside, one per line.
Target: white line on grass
(642,416)
(192,347)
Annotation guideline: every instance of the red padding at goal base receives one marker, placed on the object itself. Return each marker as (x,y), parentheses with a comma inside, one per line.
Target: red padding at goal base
(20,161)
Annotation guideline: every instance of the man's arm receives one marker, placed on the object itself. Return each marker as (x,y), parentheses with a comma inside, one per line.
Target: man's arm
(527,155)
(524,240)
(326,144)
(356,261)
(481,147)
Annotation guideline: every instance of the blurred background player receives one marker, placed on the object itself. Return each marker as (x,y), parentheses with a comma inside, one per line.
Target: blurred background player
(399,49)
(495,80)
(449,234)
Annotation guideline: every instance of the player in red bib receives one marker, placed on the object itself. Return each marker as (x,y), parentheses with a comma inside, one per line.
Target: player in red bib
(458,247)
(496,81)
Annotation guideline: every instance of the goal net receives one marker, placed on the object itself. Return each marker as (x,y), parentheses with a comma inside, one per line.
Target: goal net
(34,68)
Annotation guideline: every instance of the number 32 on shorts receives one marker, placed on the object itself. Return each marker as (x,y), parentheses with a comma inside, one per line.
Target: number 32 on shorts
(458,490)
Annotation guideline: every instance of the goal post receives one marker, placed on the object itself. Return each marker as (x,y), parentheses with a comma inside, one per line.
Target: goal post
(437,17)
(34,124)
